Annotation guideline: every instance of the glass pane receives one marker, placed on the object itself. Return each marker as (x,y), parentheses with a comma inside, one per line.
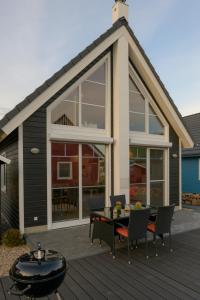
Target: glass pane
(93,116)
(65,170)
(136,103)
(132,86)
(93,175)
(151,110)
(94,195)
(138,193)
(66,113)
(157,193)
(156,164)
(65,182)
(65,204)
(58,149)
(138,174)
(93,93)
(155,126)
(137,122)
(99,75)
(93,170)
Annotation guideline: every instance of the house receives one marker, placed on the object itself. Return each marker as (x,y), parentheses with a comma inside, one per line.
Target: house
(191,157)
(79,136)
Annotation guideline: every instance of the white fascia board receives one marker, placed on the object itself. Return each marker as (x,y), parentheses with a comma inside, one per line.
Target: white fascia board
(4,160)
(156,89)
(58,84)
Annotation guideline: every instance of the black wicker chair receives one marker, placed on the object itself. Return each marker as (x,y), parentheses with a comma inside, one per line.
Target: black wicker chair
(95,204)
(137,229)
(114,199)
(162,225)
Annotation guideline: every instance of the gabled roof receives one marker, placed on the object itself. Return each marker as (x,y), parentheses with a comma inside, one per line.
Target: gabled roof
(118,24)
(192,123)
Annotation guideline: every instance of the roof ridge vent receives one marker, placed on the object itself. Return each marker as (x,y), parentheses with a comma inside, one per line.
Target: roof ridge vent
(119,10)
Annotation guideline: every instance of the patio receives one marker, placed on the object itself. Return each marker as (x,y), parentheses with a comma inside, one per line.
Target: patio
(169,276)
(74,243)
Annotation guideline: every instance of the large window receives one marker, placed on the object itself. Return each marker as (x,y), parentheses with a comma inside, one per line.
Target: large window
(157,177)
(86,105)
(141,113)
(147,179)
(78,179)
(138,174)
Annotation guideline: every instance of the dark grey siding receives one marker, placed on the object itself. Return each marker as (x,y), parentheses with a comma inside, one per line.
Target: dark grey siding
(174,168)
(35,174)
(10,198)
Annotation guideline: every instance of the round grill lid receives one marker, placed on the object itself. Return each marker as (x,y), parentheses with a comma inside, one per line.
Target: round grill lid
(38,265)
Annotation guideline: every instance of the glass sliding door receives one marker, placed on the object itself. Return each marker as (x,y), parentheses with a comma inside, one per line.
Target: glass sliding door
(157,178)
(65,181)
(138,174)
(93,176)
(78,177)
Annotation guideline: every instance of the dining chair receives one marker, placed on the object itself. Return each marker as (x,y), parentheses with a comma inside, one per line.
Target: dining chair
(162,225)
(95,204)
(115,198)
(136,230)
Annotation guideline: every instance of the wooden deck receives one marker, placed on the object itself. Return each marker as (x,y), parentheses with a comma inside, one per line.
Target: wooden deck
(170,276)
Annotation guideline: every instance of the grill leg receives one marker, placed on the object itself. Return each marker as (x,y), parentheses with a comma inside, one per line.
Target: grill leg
(58,295)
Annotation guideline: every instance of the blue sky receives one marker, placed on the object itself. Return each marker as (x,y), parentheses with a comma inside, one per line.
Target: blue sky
(40,36)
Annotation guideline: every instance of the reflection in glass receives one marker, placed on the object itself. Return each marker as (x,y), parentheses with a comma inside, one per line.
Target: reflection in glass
(65,182)
(156,177)
(93,175)
(157,193)
(138,174)
(155,126)
(67,112)
(93,93)
(137,122)
(93,116)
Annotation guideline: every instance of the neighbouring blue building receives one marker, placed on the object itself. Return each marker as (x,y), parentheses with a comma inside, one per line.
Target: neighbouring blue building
(191,157)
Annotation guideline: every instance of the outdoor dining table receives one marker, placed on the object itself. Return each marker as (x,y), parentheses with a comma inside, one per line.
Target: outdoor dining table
(105,223)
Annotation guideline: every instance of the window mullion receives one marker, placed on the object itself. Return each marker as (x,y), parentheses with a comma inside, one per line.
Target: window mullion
(146,116)
(80,106)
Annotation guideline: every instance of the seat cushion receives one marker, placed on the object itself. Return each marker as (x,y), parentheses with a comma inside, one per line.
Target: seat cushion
(151,227)
(102,219)
(122,231)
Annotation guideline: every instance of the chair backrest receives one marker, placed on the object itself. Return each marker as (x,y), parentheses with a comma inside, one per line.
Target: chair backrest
(164,219)
(138,222)
(96,203)
(114,199)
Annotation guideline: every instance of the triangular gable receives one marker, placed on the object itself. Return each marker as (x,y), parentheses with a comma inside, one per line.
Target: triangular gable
(31,103)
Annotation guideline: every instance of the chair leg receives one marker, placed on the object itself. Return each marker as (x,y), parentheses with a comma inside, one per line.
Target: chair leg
(129,255)
(136,244)
(146,246)
(156,252)
(90,230)
(170,242)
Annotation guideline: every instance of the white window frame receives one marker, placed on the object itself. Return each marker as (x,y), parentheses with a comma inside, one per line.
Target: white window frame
(3,175)
(145,137)
(58,169)
(165,175)
(56,131)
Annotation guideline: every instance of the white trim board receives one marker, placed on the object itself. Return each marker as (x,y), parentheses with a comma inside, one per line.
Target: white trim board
(21,178)
(4,160)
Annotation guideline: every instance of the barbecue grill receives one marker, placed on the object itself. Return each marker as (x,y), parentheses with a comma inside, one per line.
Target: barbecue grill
(38,273)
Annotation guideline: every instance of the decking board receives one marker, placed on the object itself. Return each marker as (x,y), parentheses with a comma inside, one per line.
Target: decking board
(169,276)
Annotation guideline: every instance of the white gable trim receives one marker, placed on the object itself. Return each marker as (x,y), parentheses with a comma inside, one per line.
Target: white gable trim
(157,91)
(145,72)
(61,82)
